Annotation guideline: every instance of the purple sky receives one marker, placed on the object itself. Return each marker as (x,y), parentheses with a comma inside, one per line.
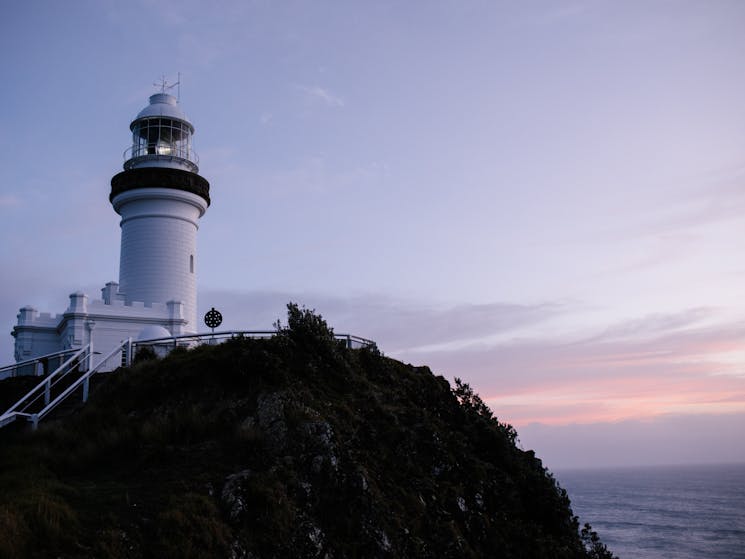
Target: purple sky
(545,199)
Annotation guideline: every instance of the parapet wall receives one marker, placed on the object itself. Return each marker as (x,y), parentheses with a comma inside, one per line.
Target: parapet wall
(103,322)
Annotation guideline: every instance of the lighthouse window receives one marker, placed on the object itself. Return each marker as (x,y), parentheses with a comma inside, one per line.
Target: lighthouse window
(161,136)
(191,263)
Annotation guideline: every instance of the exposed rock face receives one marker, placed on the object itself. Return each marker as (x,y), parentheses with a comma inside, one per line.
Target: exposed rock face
(286,447)
(232,495)
(271,418)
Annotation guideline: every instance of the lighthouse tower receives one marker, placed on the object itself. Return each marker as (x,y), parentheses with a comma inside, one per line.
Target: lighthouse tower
(160,197)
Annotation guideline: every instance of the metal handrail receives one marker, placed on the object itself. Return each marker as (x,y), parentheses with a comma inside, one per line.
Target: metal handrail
(230,334)
(187,154)
(45,385)
(32,361)
(84,380)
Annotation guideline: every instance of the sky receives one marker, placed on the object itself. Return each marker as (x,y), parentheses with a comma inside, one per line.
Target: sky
(545,199)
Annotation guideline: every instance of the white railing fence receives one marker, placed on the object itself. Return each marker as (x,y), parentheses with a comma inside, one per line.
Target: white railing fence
(40,400)
(40,395)
(37,366)
(163,346)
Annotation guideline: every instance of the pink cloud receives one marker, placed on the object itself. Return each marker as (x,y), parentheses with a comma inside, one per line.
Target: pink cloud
(609,377)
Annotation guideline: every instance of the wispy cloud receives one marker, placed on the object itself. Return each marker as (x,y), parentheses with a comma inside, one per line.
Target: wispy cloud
(644,372)
(399,325)
(316,93)
(9,200)
(656,323)
(710,199)
(719,200)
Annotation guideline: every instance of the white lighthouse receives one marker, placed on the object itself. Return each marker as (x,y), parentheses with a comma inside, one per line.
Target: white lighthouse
(160,197)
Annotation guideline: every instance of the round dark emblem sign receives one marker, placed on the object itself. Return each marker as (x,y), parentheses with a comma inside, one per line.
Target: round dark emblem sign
(213,318)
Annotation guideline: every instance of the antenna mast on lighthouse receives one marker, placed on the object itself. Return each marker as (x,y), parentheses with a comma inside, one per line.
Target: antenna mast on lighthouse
(165,86)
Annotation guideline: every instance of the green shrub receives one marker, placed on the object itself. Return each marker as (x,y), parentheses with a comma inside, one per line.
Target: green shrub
(305,327)
(145,353)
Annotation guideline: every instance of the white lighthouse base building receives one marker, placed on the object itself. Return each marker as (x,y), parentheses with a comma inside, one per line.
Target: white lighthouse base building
(104,323)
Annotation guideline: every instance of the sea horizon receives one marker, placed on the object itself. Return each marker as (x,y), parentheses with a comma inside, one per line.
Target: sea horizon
(561,469)
(673,511)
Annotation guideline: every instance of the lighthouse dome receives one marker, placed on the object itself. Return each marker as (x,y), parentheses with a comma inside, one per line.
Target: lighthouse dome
(153,332)
(162,105)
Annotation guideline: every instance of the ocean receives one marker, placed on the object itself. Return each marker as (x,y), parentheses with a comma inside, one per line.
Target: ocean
(670,512)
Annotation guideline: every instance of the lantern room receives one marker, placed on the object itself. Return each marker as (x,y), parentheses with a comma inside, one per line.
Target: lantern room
(161,137)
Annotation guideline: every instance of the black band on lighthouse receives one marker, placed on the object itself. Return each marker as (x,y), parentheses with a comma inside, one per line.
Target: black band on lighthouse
(160,177)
